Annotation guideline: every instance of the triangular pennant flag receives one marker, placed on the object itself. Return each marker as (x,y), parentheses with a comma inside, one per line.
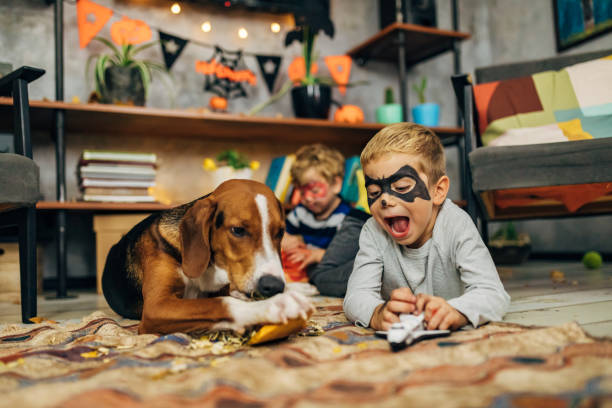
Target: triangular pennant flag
(172,47)
(340,69)
(269,65)
(297,69)
(91,17)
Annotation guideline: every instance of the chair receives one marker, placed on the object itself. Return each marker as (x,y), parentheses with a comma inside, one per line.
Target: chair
(19,184)
(493,171)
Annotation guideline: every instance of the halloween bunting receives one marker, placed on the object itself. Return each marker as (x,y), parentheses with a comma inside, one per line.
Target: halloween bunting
(269,65)
(91,17)
(172,47)
(130,32)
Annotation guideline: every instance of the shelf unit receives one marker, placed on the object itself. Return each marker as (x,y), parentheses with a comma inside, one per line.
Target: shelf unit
(99,118)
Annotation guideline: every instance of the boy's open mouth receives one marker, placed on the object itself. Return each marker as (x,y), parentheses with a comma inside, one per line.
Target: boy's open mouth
(399,226)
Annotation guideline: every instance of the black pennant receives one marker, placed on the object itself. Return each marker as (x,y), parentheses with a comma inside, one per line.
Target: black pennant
(172,47)
(269,65)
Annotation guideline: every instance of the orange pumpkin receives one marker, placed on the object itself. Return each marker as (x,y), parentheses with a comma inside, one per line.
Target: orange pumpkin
(349,114)
(127,31)
(218,103)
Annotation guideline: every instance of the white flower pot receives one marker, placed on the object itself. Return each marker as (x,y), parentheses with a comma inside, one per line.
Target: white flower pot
(226,173)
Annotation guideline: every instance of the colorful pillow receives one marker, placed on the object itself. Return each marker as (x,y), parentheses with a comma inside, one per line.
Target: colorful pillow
(571,104)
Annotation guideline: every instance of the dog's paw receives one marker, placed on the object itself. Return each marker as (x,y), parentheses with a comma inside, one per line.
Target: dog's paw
(284,306)
(304,288)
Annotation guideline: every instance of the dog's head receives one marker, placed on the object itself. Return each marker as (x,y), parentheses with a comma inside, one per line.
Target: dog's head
(238,228)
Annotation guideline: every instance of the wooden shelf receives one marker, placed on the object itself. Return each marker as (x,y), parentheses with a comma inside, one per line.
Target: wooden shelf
(421,43)
(128,121)
(98,206)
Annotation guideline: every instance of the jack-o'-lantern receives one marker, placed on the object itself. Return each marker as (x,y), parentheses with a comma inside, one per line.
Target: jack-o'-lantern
(218,103)
(127,31)
(349,114)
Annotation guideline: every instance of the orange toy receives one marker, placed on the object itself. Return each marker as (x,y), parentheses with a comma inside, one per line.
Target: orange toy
(218,103)
(292,271)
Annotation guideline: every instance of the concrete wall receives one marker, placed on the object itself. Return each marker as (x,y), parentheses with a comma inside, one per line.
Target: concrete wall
(502,31)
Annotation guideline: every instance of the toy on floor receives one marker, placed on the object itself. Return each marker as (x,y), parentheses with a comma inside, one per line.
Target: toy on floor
(293,273)
(409,330)
(272,332)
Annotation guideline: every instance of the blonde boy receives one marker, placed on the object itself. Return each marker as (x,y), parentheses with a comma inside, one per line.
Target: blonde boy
(317,174)
(419,252)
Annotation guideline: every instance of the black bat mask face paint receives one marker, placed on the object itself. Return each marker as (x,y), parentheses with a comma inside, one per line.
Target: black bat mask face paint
(387,185)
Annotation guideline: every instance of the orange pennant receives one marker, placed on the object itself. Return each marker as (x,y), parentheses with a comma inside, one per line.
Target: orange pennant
(128,31)
(340,69)
(297,69)
(91,17)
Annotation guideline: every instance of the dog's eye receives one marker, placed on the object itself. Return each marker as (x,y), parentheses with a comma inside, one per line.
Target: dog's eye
(238,232)
(280,234)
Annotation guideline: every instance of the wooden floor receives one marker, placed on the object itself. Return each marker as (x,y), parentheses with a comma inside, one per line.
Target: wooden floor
(585,296)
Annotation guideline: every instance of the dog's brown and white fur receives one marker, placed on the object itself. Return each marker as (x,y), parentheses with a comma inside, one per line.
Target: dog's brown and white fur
(196,266)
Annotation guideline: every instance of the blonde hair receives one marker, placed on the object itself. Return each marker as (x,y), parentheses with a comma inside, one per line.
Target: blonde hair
(327,161)
(409,138)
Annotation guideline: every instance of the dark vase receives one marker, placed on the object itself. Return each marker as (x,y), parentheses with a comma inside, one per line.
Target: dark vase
(311,101)
(123,86)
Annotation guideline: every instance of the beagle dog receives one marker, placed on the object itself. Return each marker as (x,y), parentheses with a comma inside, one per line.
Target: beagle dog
(197,266)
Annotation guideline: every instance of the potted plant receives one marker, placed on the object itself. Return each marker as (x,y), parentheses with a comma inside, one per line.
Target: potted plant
(231,165)
(507,247)
(390,112)
(426,114)
(119,77)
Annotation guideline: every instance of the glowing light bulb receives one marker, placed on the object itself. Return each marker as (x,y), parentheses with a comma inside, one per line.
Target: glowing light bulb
(175,9)
(206,27)
(243,33)
(275,27)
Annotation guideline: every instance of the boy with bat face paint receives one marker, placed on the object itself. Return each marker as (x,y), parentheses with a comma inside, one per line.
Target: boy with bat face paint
(419,253)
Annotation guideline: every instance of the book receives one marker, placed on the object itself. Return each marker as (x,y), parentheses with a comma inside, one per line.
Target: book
(119,199)
(92,191)
(284,178)
(350,189)
(362,201)
(104,182)
(275,168)
(119,156)
(117,171)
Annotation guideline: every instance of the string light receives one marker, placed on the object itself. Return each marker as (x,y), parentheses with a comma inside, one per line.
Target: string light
(275,27)
(175,9)
(206,27)
(243,33)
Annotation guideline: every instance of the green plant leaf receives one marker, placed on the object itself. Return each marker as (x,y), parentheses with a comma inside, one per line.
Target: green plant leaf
(145,74)
(143,47)
(110,45)
(100,70)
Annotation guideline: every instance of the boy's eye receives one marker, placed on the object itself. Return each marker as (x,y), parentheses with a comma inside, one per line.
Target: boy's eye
(373,192)
(403,185)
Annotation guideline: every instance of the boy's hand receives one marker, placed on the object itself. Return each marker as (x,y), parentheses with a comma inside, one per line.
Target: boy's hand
(305,256)
(402,301)
(439,315)
(290,242)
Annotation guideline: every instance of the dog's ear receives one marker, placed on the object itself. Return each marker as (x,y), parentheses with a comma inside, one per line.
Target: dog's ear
(195,236)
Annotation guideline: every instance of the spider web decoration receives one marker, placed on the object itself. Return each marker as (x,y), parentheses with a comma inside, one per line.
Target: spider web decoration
(224,86)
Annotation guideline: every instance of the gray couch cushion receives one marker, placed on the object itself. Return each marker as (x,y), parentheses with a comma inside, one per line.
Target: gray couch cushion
(547,164)
(19,180)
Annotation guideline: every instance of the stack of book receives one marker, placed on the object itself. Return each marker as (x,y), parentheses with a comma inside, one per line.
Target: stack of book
(117,176)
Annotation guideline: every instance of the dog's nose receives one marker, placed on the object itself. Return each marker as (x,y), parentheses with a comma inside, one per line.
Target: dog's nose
(269,285)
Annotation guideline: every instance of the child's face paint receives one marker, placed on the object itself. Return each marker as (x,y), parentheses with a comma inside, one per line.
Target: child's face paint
(317,195)
(399,198)
(314,189)
(404,184)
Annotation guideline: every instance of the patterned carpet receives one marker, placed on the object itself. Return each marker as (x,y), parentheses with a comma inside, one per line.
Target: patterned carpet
(101,362)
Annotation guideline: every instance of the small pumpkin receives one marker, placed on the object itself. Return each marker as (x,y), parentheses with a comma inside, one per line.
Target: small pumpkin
(349,114)
(127,31)
(218,103)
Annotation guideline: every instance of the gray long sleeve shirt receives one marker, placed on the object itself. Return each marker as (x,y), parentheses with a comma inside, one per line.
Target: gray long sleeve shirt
(454,264)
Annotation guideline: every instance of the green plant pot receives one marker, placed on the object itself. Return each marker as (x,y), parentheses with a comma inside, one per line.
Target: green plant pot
(123,86)
(389,113)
